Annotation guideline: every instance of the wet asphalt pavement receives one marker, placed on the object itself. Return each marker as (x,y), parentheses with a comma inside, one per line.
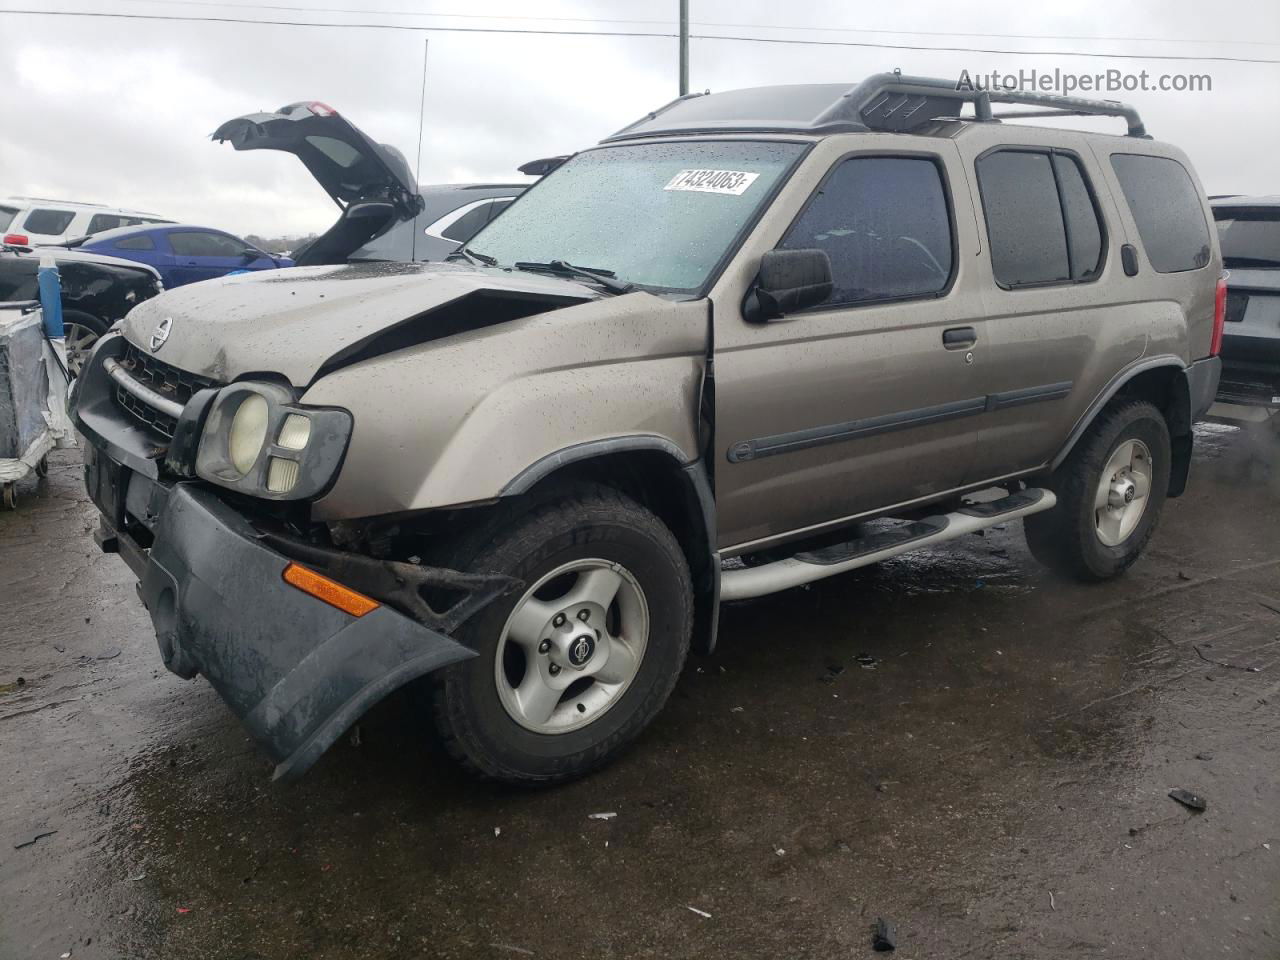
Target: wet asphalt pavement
(955,741)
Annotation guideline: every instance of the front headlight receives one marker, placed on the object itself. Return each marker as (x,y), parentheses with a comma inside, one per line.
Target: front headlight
(248,432)
(258,440)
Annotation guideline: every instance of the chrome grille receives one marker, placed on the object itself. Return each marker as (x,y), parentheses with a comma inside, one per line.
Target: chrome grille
(168,381)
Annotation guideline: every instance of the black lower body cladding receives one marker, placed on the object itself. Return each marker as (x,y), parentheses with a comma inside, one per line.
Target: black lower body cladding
(296,670)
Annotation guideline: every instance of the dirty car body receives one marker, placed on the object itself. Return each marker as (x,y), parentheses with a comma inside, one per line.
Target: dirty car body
(519,471)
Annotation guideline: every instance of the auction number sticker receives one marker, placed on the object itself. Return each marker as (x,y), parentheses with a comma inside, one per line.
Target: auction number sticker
(732,182)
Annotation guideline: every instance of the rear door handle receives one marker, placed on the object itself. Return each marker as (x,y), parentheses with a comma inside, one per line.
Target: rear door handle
(959,338)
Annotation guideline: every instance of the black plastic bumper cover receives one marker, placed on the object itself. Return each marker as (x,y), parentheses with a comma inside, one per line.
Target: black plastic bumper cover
(297,671)
(1202,382)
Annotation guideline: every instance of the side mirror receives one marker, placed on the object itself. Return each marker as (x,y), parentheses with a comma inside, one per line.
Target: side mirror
(789,280)
(249,255)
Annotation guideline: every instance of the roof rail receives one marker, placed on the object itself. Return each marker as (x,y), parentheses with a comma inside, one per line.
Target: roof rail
(69,203)
(892,102)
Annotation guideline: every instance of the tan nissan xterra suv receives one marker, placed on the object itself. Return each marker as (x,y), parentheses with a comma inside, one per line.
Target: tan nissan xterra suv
(740,328)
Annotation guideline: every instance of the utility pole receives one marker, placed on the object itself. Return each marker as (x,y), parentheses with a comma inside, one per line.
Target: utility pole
(684,47)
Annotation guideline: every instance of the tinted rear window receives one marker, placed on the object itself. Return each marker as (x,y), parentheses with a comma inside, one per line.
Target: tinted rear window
(52,222)
(1248,237)
(1024,218)
(108,221)
(1084,233)
(467,225)
(1166,207)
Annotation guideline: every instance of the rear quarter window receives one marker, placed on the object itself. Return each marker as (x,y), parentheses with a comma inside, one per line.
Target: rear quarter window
(6,216)
(1166,207)
(141,242)
(107,221)
(50,222)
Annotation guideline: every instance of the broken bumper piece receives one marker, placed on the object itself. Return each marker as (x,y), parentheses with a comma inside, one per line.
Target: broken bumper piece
(297,670)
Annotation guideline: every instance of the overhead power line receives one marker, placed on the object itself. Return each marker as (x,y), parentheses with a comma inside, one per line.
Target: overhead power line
(700,23)
(175,18)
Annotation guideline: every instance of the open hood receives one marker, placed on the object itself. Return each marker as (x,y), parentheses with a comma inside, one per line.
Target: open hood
(371,182)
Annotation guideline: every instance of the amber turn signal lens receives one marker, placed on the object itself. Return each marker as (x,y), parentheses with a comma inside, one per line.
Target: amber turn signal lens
(330,591)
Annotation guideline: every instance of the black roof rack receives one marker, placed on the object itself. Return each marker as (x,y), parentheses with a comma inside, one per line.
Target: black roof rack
(887,102)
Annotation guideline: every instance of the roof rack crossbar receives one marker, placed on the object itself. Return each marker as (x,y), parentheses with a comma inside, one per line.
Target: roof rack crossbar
(892,102)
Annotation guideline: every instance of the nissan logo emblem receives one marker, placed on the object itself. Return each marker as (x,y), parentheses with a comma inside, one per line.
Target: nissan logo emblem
(161,333)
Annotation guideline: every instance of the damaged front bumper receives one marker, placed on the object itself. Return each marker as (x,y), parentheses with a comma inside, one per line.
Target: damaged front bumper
(296,670)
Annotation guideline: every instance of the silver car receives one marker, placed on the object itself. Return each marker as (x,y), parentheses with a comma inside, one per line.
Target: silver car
(803,329)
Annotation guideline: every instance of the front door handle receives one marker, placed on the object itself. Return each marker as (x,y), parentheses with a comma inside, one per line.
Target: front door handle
(959,338)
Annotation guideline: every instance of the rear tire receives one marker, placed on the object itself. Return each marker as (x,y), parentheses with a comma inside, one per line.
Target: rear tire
(1120,465)
(643,634)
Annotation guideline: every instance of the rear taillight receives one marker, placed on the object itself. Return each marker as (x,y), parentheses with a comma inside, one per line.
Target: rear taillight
(17,239)
(1219,317)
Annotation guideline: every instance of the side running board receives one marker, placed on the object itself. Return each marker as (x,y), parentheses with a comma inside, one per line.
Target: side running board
(806,567)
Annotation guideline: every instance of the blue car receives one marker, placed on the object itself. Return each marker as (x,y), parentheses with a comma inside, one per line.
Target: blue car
(181,253)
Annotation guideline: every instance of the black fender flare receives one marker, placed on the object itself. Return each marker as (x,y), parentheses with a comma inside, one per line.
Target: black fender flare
(706,567)
(1179,413)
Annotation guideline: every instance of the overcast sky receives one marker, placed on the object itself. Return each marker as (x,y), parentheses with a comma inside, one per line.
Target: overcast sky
(120,111)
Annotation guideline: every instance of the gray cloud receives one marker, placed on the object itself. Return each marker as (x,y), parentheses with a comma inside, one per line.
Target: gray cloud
(120,111)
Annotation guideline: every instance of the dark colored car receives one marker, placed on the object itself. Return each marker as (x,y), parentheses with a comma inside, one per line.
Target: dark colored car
(452,213)
(96,291)
(385,214)
(1249,230)
(182,253)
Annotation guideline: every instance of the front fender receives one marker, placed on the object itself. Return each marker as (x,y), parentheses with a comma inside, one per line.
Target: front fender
(454,421)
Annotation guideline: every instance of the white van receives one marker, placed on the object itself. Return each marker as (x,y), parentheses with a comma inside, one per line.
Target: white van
(31,221)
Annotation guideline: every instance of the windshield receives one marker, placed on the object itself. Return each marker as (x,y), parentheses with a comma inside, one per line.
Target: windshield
(1250,236)
(659,215)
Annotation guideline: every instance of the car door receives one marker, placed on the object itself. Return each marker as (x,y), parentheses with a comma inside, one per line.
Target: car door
(204,254)
(1057,330)
(868,400)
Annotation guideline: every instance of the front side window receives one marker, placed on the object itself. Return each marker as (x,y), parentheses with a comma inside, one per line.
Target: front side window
(200,244)
(50,222)
(1166,207)
(660,215)
(884,223)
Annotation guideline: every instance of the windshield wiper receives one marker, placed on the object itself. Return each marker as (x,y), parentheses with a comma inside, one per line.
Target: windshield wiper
(606,278)
(474,257)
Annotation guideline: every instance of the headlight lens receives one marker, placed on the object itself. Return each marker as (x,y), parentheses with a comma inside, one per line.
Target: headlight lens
(248,432)
(259,440)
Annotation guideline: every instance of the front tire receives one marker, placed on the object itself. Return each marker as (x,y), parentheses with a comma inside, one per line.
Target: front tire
(574,664)
(1110,491)
(82,332)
